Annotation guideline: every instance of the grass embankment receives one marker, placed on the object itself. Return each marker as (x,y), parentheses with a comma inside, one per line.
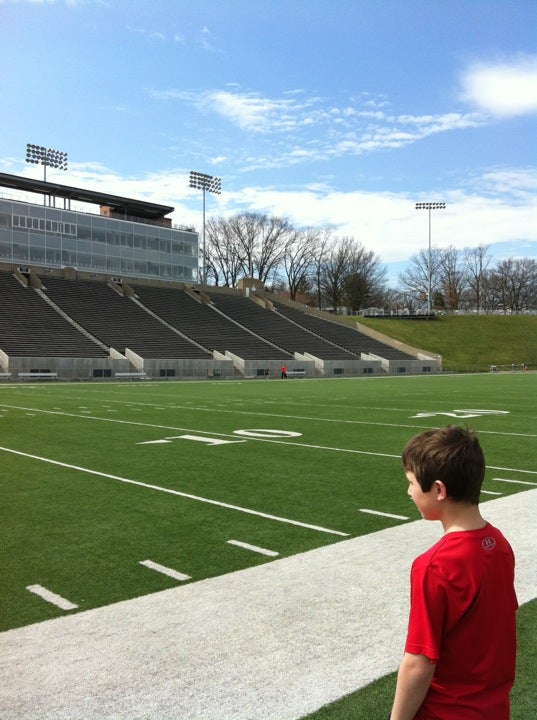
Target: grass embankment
(468,343)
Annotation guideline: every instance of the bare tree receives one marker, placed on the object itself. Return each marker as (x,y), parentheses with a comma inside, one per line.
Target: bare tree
(261,242)
(513,285)
(248,244)
(224,261)
(364,283)
(325,242)
(299,258)
(476,262)
(415,277)
(451,277)
(335,270)
(351,275)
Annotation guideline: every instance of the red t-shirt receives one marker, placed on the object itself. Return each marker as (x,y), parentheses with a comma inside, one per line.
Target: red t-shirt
(462,617)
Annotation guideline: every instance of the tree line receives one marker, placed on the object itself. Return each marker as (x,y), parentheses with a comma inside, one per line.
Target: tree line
(325,270)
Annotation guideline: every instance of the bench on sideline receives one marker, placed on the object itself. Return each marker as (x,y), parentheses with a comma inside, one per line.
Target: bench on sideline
(38,375)
(130,375)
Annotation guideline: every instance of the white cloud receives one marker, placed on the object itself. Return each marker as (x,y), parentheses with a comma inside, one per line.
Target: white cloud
(502,88)
(249,112)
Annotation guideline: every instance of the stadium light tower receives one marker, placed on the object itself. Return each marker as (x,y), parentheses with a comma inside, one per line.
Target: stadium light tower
(48,157)
(207,183)
(430,206)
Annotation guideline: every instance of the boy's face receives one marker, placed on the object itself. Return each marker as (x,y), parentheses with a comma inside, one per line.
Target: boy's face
(426,502)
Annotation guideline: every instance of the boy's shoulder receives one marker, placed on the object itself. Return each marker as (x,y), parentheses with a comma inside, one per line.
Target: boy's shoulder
(464,547)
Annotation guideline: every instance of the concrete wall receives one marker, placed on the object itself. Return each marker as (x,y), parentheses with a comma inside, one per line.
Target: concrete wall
(67,368)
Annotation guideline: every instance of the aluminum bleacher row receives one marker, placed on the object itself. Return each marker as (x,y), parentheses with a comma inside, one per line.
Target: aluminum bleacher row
(132,328)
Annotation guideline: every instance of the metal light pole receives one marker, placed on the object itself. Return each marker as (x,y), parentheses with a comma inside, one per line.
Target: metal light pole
(430,206)
(207,183)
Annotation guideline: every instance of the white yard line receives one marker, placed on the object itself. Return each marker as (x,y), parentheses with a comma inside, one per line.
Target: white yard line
(515,482)
(51,597)
(384,514)
(272,642)
(253,548)
(170,572)
(170,491)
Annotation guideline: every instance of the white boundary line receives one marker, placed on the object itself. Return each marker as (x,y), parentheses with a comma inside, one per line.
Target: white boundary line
(170,491)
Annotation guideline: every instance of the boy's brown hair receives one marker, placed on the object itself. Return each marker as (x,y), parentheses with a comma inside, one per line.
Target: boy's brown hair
(452,455)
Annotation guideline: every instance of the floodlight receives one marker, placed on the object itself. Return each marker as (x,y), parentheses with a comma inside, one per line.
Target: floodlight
(206,183)
(48,157)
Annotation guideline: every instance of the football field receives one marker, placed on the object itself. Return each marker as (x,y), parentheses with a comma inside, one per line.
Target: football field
(116,491)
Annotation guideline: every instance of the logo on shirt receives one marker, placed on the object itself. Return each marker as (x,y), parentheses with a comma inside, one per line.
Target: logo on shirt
(488,543)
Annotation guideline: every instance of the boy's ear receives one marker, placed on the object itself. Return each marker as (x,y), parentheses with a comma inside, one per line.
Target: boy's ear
(440,490)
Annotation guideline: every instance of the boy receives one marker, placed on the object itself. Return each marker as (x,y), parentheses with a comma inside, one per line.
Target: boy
(459,659)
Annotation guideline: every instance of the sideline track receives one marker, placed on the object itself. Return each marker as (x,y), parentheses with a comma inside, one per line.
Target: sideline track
(272,642)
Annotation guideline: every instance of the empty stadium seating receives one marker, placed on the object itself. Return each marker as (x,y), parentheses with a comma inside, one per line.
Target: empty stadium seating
(173,323)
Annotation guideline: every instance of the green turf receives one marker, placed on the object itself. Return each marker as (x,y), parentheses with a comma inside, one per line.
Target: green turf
(468,343)
(321,450)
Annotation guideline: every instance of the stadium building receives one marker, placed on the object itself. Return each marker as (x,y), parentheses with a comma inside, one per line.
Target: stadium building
(128,237)
(114,294)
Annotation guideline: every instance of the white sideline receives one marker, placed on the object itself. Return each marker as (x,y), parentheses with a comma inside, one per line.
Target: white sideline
(273,642)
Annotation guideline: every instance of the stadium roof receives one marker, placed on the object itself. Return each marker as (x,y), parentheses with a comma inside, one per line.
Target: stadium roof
(119,205)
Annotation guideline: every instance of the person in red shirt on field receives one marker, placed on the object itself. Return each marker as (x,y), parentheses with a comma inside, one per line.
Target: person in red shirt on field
(459,659)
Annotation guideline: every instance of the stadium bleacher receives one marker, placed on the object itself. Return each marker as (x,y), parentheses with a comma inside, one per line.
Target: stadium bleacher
(29,327)
(203,324)
(117,321)
(346,337)
(278,329)
(175,323)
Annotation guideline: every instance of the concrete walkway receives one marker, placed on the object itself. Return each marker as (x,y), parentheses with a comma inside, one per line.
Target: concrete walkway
(273,642)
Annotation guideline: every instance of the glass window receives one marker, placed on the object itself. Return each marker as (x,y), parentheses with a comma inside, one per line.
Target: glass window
(37,254)
(84,232)
(140,268)
(98,234)
(5,250)
(126,239)
(53,241)
(68,258)
(83,259)
(39,240)
(20,252)
(113,236)
(112,263)
(84,246)
(99,261)
(53,256)
(127,266)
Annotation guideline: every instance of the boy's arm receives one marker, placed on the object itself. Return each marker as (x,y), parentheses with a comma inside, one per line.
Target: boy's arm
(413,680)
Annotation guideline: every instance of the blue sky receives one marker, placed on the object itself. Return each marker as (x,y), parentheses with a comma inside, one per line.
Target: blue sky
(339,112)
